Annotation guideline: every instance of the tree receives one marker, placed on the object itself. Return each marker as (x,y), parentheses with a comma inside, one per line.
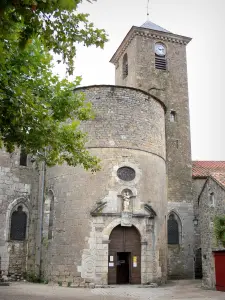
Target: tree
(35,105)
(55,22)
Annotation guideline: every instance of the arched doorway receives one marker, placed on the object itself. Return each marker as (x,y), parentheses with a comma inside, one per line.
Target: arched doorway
(124,265)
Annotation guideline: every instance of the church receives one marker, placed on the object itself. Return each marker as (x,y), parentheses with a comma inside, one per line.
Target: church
(139,219)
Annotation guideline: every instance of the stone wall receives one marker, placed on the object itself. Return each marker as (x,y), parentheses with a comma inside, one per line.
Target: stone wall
(125,118)
(18,186)
(198,184)
(208,241)
(128,131)
(180,257)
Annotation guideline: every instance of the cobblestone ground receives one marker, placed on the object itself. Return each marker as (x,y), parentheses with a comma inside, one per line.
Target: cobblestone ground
(177,290)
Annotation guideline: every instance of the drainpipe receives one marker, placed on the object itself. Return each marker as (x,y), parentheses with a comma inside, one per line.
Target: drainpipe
(40,221)
(41,212)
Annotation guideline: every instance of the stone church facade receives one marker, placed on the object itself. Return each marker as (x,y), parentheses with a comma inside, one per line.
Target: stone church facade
(131,222)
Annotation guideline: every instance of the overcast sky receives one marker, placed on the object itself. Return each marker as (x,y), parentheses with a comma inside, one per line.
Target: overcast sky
(202,20)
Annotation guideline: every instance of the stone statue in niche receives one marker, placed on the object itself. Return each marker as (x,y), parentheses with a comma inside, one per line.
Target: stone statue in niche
(126,200)
(127,207)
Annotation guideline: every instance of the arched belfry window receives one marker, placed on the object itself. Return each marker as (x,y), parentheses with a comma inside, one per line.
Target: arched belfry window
(174,229)
(160,56)
(125,65)
(18,224)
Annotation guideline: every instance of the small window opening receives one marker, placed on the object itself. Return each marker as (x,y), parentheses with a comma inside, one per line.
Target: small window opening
(160,62)
(212,199)
(18,225)
(173,116)
(125,65)
(177,144)
(23,157)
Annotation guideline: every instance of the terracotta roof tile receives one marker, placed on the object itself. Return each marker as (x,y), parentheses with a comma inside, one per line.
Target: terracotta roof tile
(205,168)
(219,177)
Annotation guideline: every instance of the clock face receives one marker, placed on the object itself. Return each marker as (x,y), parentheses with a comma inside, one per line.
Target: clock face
(160,49)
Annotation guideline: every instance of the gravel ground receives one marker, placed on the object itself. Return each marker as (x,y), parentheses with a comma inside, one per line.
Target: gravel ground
(176,290)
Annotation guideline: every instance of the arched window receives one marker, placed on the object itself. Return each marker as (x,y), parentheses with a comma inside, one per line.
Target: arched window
(48,215)
(51,215)
(174,229)
(212,199)
(125,65)
(18,225)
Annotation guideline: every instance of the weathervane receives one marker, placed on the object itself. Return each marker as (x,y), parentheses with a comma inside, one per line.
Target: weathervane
(148,10)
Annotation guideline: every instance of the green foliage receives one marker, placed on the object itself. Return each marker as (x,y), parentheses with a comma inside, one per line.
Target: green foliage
(45,242)
(219,229)
(54,22)
(35,105)
(32,277)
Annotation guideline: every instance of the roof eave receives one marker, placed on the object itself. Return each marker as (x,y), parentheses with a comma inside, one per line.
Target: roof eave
(112,60)
(199,176)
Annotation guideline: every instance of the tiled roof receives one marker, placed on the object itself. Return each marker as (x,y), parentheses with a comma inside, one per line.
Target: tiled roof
(219,177)
(153,26)
(206,168)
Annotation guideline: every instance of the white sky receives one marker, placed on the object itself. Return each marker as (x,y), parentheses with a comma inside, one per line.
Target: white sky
(204,21)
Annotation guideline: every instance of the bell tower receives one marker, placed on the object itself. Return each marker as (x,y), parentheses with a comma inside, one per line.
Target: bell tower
(153,59)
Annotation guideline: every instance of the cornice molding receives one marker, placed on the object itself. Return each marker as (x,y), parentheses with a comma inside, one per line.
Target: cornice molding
(146,33)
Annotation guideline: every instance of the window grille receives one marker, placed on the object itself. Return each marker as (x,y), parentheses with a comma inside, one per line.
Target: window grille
(160,62)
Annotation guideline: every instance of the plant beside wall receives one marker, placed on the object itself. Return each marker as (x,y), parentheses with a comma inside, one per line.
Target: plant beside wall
(219,229)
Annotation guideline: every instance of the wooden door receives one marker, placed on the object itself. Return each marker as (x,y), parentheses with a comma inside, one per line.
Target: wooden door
(126,240)
(220,270)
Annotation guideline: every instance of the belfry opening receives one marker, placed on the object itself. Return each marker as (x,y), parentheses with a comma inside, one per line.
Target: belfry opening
(124,262)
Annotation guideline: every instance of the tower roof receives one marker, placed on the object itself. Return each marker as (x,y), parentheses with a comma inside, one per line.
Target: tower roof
(153,26)
(165,34)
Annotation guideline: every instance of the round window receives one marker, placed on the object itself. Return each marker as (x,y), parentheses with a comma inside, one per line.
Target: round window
(126,173)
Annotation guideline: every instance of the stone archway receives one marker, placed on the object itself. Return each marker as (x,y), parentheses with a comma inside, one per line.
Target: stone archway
(124,265)
(15,260)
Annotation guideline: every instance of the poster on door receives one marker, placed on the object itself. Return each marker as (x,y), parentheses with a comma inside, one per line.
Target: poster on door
(111,261)
(134,261)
